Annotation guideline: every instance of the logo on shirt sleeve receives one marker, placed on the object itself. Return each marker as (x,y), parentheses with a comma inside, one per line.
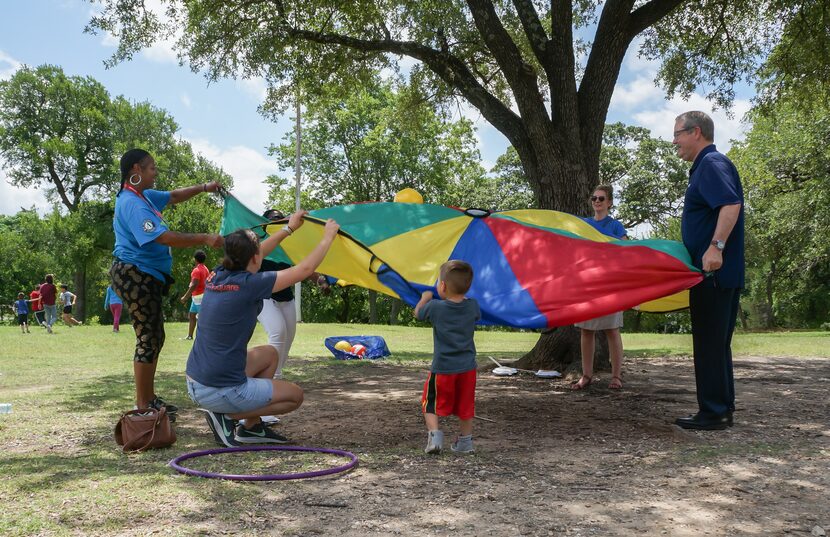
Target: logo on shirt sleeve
(148,226)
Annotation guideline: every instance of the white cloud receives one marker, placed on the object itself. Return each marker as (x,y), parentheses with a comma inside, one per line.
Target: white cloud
(638,91)
(12,199)
(185,98)
(660,120)
(633,62)
(247,166)
(256,87)
(109,40)
(162,51)
(8,66)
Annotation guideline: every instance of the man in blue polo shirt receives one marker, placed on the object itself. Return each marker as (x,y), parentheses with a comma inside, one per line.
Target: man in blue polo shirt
(713,231)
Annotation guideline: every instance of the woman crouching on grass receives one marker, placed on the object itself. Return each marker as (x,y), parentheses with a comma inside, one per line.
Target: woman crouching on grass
(229,381)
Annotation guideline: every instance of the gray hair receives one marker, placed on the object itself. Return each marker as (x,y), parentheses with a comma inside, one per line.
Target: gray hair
(700,120)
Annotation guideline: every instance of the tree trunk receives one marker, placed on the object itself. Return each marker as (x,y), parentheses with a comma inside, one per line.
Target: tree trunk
(394,309)
(743,316)
(560,181)
(559,349)
(557,176)
(769,313)
(345,296)
(79,311)
(373,307)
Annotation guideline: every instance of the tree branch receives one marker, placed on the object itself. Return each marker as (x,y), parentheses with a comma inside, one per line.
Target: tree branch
(535,33)
(519,74)
(649,13)
(56,180)
(448,67)
(611,41)
(561,78)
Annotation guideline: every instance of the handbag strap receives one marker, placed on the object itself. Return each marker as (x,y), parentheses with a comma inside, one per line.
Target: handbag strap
(158,414)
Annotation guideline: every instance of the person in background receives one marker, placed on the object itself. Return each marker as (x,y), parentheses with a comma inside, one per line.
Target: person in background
(195,290)
(37,305)
(114,303)
(21,309)
(601,201)
(141,269)
(68,300)
(48,296)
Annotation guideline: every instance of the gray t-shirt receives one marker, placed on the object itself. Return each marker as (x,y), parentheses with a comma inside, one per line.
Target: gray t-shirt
(227,319)
(453,328)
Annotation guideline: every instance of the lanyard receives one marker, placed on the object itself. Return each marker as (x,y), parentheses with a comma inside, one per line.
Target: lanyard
(150,205)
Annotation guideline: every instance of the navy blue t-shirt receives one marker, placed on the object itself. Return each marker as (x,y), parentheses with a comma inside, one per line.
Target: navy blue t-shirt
(453,328)
(713,183)
(227,319)
(607,226)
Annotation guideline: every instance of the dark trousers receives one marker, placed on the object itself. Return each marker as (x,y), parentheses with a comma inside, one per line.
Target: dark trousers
(714,311)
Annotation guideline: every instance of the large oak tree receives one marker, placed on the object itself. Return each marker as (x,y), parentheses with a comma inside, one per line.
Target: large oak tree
(542,73)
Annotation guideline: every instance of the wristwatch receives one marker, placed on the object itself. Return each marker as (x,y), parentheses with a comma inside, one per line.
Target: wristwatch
(720,245)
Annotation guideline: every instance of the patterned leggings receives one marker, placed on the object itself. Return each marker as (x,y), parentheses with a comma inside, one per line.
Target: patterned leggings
(141,294)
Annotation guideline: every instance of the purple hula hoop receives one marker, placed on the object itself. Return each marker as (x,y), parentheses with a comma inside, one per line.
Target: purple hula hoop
(274,477)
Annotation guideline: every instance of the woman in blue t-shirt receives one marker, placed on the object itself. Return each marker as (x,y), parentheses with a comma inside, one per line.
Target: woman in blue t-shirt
(141,270)
(229,381)
(601,201)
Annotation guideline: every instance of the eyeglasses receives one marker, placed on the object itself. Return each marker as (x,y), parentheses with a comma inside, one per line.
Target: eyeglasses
(598,198)
(681,131)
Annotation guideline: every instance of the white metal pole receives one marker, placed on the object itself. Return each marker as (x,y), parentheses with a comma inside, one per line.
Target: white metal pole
(298,289)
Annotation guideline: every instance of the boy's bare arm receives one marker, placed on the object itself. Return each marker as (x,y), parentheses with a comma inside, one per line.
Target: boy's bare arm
(426,296)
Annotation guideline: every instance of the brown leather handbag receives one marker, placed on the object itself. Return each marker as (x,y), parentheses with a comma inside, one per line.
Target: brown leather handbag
(140,430)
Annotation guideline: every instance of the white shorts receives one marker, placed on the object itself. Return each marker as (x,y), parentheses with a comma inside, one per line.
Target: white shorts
(607,322)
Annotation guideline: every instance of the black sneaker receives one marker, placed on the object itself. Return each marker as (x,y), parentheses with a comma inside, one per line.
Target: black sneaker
(222,427)
(158,402)
(170,415)
(259,434)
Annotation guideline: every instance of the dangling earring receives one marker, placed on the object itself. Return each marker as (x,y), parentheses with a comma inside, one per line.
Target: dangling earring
(136,183)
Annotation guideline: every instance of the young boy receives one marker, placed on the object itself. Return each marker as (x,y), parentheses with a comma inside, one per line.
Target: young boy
(37,306)
(68,298)
(451,385)
(21,308)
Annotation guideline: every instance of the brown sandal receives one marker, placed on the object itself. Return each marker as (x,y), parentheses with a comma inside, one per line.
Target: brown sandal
(616,383)
(579,385)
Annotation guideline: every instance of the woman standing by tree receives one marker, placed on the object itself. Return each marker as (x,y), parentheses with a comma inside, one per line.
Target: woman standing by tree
(141,270)
(601,201)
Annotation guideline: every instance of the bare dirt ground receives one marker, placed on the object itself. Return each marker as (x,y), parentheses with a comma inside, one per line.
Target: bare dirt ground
(557,462)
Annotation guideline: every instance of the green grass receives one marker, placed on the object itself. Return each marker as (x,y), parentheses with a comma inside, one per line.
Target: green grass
(61,474)
(795,344)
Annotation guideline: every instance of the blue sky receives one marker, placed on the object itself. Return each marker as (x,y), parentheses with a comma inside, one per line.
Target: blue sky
(221,121)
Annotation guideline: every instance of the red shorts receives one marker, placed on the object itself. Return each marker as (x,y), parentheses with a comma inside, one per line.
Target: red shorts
(450,394)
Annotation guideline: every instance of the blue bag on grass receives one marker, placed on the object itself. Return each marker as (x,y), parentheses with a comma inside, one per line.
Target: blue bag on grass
(375,347)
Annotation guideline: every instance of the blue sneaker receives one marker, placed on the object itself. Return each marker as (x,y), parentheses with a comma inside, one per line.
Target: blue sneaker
(435,442)
(463,444)
(222,427)
(259,434)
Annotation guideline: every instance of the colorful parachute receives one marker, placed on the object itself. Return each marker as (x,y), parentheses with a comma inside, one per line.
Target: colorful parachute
(533,268)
